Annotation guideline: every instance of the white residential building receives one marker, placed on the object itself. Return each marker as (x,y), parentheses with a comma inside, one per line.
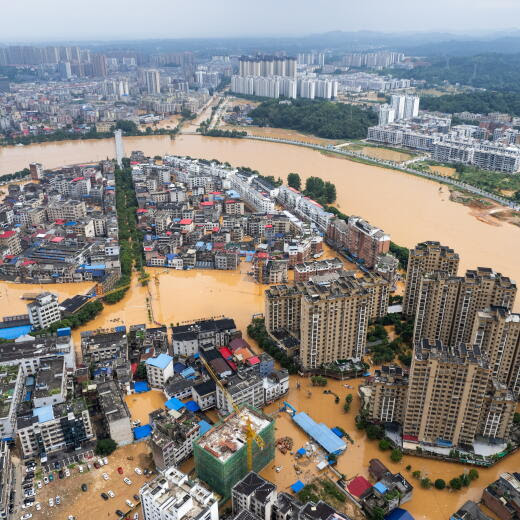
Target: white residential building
(172,496)
(44,310)
(159,370)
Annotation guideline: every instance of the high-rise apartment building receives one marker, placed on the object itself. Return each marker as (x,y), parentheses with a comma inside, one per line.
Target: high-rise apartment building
(446,394)
(365,241)
(267,66)
(384,395)
(329,317)
(426,257)
(36,170)
(153,81)
(448,305)
(496,331)
(405,107)
(386,115)
(99,65)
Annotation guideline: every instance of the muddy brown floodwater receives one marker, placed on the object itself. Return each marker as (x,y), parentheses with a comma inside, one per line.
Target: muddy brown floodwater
(428,504)
(411,209)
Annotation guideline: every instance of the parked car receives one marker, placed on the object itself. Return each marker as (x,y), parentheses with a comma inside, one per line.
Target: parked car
(39,484)
(119,513)
(105,461)
(67,472)
(136,516)
(51,477)
(84,487)
(61,474)
(38,506)
(80,469)
(26,516)
(105,476)
(120,470)
(126,480)
(58,500)
(139,471)
(111,494)
(136,498)
(129,503)
(45,480)
(51,502)
(57,465)
(104,496)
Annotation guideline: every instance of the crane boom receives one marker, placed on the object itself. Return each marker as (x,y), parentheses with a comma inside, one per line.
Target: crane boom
(251,435)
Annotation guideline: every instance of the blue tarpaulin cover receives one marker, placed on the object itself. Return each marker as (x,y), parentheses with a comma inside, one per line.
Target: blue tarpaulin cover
(380,487)
(192,406)
(204,427)
(399,514)
(297,486)
(337,431)
(140,387)
(174,404)
(320,433)
(301,451)
(142,431)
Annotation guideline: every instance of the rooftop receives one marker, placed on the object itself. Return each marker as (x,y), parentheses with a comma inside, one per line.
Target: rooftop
(227,437)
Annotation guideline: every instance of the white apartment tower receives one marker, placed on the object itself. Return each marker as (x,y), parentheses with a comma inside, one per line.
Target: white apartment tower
(44,310)
(153,81)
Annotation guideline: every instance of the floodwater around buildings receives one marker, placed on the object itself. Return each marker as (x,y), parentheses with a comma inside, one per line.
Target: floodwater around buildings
(141,405)
(426,504)
(410,208)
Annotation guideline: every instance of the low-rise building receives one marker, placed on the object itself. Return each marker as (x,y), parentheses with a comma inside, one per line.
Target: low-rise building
(11,388)
(44,310)
(244,388)
(172,496)
(172,437)
(54,428)
(50,385)
(115,413)
(503,496)
(158,370)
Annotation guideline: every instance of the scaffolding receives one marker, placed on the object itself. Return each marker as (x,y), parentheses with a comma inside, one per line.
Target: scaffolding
(221,453)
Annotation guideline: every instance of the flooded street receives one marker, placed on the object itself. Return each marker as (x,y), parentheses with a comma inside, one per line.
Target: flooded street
(140,405)
(426,504)
(386,198)
(411,209)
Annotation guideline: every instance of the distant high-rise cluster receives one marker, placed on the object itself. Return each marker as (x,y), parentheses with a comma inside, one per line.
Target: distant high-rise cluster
(267,66)
(372,59)
(402,107)
(274,77)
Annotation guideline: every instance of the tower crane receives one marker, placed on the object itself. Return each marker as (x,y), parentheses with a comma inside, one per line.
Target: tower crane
(251,435)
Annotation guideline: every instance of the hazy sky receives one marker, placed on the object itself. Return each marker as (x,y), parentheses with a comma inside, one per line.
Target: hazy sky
(32,20)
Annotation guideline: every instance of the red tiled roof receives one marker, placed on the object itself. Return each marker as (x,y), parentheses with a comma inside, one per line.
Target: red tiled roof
(7,234)
(358,486)
(185,221)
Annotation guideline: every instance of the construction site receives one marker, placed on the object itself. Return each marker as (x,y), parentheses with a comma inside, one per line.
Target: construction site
(221,455)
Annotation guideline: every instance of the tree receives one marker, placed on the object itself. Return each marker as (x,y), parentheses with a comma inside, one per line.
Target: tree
(105,447)
(384,444)
(426,483)
(374,431)
(377,513)
(440,483)
(473,474)
(129,127)
(330,192)
(516,417)
(455,483)
(140,373)
(396,456)
(294,181)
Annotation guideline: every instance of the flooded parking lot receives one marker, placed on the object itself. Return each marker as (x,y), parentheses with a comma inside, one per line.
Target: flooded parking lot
(88,505)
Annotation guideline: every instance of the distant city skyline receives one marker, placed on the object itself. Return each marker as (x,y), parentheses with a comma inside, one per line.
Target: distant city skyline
(58,20)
